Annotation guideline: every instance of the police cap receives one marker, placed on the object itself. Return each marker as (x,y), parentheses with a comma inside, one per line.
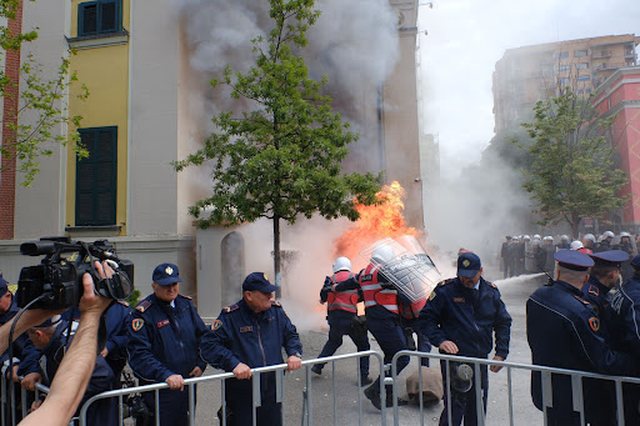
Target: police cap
(166,274)
(610,258)
(573,260)
(4,286)
(256,281)
(468,264)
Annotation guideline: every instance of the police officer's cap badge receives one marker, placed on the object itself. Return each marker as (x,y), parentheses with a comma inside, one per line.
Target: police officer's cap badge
(216,325)
(168,270)
(466,263)
(594,323)
(137,324)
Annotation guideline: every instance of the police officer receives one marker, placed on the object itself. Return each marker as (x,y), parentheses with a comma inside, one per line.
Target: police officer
(250,334)
(604,276)
(52,338)
(606,239)
(164,337)
(563,330)
(624,311)
(24,357)
(381,303)
(342,315)
(460,318)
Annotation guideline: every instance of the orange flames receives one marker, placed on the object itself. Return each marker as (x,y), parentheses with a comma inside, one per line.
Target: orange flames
(376,222)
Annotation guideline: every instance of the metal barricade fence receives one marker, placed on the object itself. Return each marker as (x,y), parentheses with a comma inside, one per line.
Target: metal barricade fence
(9,408)
(279,370)
(576,378)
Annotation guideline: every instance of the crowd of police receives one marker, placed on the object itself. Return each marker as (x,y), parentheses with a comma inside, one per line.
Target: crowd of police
(584,319)
(520,254)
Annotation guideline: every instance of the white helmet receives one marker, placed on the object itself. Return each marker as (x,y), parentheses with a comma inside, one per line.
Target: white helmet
(547,238)
(576,245)
(341,264)
(589,237)
(536,236)
(625,234)
(382,254)
(526,238)
(608,234)
(564,237)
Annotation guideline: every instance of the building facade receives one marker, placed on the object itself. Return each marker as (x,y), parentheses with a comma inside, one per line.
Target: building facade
(619,96)
(139,117)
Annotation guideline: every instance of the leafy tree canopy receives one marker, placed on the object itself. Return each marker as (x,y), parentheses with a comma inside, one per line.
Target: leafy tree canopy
(572,173)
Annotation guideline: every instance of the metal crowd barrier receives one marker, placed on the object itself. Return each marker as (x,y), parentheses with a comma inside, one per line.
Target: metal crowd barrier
(508,367)
(308,406)
(9,402)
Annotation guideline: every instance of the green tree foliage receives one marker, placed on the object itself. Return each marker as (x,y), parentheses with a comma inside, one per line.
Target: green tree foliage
(572,173)
(281,157)
(42,100)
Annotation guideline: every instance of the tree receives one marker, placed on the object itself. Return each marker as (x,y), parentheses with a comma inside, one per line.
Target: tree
(41,99)
(572,172)
(281,157)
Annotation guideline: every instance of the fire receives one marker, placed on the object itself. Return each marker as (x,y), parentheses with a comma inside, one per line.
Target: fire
(376,222)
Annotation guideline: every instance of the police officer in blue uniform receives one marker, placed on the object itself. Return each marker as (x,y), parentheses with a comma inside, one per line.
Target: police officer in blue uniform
(250,334)
(604,276)
(460,318)
(564,331)
(164,337)
(52,338)
(624,310)
(342,315)
(117,319)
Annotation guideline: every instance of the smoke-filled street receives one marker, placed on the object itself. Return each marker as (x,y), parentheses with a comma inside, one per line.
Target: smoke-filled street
(514,293)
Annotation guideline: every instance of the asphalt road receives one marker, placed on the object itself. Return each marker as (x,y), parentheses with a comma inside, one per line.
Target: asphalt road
(339,401)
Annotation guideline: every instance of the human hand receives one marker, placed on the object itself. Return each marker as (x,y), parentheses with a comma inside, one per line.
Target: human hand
(30,381)
(496,368)
(293,363)
(14,375)
(448,347)
(242,371)
(196,372)
(91,302)
(104,352)
(175,382)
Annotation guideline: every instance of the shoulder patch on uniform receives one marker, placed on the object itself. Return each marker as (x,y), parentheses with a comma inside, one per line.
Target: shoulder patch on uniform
(185,297)
(144,305)
(594,324)
(231,308)
(216,324)
(276,303)
(136,324)
(594,290)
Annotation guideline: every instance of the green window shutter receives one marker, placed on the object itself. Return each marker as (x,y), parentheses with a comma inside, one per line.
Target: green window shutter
(96,178)
(99,17)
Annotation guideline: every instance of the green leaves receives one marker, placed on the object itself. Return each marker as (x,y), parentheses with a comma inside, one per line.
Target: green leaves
(572,173)
(280,158)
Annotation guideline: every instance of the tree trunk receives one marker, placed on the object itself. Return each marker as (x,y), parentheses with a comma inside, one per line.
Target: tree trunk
(276,254)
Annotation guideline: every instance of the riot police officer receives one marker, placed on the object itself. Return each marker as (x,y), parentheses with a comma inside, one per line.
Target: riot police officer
(564,331)
(342,315)
(250,334)
(164,337)
(460,318)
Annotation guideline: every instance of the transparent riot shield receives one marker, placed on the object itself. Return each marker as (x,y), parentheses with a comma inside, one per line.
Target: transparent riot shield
(406,264)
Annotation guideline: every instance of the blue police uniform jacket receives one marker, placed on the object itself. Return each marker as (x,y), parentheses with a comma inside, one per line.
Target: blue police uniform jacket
(598,294)
(468,317)
(241,335)
(563,330)
(624,311)
(22,347)
(164,341)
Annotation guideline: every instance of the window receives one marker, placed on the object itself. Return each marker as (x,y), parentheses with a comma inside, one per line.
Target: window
(99,17)
(584,78)
(563,55)
(96,178)
(563,68)
(580,53)
(582,66)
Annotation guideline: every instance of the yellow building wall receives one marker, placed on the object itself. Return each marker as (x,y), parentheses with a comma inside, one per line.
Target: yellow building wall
(104,70)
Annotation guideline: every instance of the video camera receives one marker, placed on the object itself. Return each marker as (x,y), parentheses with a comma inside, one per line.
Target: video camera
(57,280)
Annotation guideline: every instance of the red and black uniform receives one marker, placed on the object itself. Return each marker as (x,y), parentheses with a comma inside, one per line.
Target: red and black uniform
(342,315)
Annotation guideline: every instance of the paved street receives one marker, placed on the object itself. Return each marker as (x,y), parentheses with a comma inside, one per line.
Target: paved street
(347,395)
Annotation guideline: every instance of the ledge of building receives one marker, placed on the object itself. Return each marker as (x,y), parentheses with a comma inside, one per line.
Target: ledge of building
(98,40)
